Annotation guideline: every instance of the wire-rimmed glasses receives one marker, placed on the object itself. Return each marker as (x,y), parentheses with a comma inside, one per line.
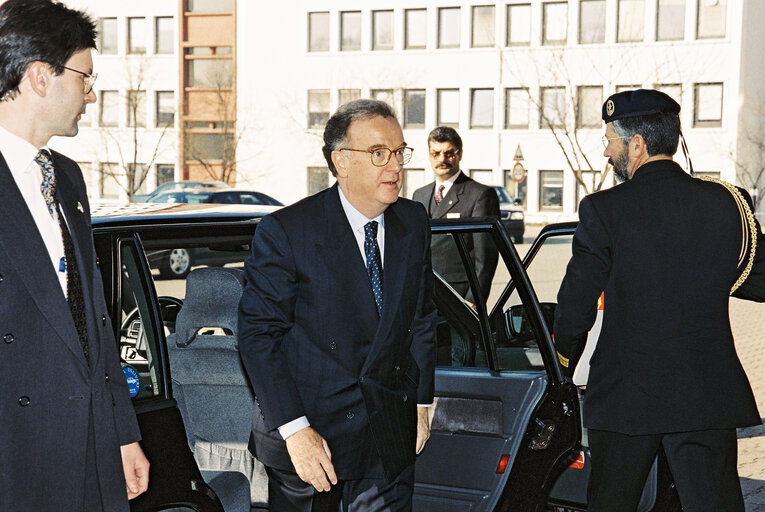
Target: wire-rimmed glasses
(89,80)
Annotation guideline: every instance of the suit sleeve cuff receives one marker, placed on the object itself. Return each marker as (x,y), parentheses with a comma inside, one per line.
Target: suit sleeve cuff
(293,426)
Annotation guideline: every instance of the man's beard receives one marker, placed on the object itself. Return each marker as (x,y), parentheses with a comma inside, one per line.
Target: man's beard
(621,165)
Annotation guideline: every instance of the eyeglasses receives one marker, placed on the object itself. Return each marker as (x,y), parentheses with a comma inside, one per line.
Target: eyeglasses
(607,139)
(89,80)
(381,156)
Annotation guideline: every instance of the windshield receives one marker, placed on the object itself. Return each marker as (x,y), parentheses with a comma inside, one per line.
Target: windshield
(504,197)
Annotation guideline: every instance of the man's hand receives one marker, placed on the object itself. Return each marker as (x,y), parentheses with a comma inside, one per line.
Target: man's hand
(423,428)
(136,467)
(312,459)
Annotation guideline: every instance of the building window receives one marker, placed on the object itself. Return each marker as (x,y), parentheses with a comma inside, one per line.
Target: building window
(550,190)
(707,104)
(206,147)
(208,5)
(414,108)
(670,20)
(165,114)
(711,19)
(588,104)
(631,21)
(483,26)
(675,91)
(385,95)
(448,107)
(552,110)
(318,108)
(482,176)
(413,179)
(592,21)
(165,173)
(350,31)
(346,95)
(109,174)
(318,179)
(107,36)
(517,108)
(518,25)
(517,190)
(622,88)
(449,27)
(163,35)
(209,73)
(136,35)
(109,115)
(415,28)
(318,31)
(136,108)
(482,108)
(554,22)
(382,30)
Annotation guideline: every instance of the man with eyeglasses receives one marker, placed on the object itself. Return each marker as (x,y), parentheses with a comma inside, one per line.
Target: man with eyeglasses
(454,195)
(666,249)
(69,433)
(336,328)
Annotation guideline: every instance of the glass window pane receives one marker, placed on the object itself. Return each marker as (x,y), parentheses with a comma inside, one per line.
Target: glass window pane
(136,108)
(346,95)
(107,36)
(165,115)
(449,27)
(209,5)
(482,108)
(350,31)
(483,26)
(208,146)
(318,31)
(631,21)
(592,21)
(416,28)
(518,25)
(163,35)
(449,107)
(413,179)
(675,91)
(670,20)
(551,190)
(136,35)
(711,18)
(517,190)
(318,108)
(414,108)
(110,174)
(708,105)
(553,108)
(382,29)
(385,95)
(589,102)
(165,173)
(555,22)
(209,73)
(484,176)
(516,108)
(109,101)
(318,179)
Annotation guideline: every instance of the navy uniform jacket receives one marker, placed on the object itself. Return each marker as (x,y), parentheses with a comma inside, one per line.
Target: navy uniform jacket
(664,246)
(466,198)
(43,444)
(312,342)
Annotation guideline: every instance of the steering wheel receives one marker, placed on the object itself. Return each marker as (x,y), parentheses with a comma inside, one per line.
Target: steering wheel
(168,309)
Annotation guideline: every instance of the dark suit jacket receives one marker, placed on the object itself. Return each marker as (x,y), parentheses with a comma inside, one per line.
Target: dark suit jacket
(664,246)
(43,444)
(312,342)
(466,198)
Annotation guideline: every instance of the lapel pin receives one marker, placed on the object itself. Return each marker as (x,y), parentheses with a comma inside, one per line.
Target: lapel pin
(80,208)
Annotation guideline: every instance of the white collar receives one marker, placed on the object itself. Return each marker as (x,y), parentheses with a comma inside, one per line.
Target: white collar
(356,219)
(18,153)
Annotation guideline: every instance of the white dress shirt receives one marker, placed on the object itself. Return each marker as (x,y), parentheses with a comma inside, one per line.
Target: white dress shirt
(20,157)
(447,184)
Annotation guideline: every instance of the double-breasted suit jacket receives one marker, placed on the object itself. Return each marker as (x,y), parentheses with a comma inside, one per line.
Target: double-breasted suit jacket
(466,198)
(51,396)
(664,247)
(314,345)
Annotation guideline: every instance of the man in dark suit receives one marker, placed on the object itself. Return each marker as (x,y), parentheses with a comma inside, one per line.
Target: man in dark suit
(667,249)
(69,433)
(454,195)
(336,328)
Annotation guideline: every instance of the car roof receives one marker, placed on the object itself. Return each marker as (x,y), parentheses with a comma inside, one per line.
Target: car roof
(165,213)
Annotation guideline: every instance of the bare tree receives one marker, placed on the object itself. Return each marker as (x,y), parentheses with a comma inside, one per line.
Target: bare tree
(749,157)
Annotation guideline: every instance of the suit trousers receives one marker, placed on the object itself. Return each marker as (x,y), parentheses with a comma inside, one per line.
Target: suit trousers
(288,493)
(703,464)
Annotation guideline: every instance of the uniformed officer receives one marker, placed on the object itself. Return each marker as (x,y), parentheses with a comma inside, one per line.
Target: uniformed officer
(667,249)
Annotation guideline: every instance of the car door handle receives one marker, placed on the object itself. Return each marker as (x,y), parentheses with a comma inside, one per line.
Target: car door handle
(543,436)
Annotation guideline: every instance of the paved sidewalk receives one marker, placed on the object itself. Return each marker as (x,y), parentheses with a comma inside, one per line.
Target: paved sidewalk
(748,323)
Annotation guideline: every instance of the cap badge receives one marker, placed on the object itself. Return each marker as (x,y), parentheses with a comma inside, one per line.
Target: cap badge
(610,107)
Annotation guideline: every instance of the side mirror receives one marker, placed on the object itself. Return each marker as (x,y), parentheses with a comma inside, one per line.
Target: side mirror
(517,202)
(519,324)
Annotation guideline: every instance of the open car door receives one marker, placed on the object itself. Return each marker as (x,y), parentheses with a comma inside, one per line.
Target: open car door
(504,420)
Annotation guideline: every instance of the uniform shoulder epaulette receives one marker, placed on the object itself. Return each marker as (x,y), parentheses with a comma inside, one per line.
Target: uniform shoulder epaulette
(748,229)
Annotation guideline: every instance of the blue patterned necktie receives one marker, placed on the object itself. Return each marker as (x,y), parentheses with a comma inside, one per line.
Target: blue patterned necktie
(74,294)
(374,265)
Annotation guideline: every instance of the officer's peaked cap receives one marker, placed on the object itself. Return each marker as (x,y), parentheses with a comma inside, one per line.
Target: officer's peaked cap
(640,102)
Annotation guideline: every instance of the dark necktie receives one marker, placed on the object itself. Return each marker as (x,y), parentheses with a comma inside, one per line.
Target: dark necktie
(439,195)
(374,265)
(73,284)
